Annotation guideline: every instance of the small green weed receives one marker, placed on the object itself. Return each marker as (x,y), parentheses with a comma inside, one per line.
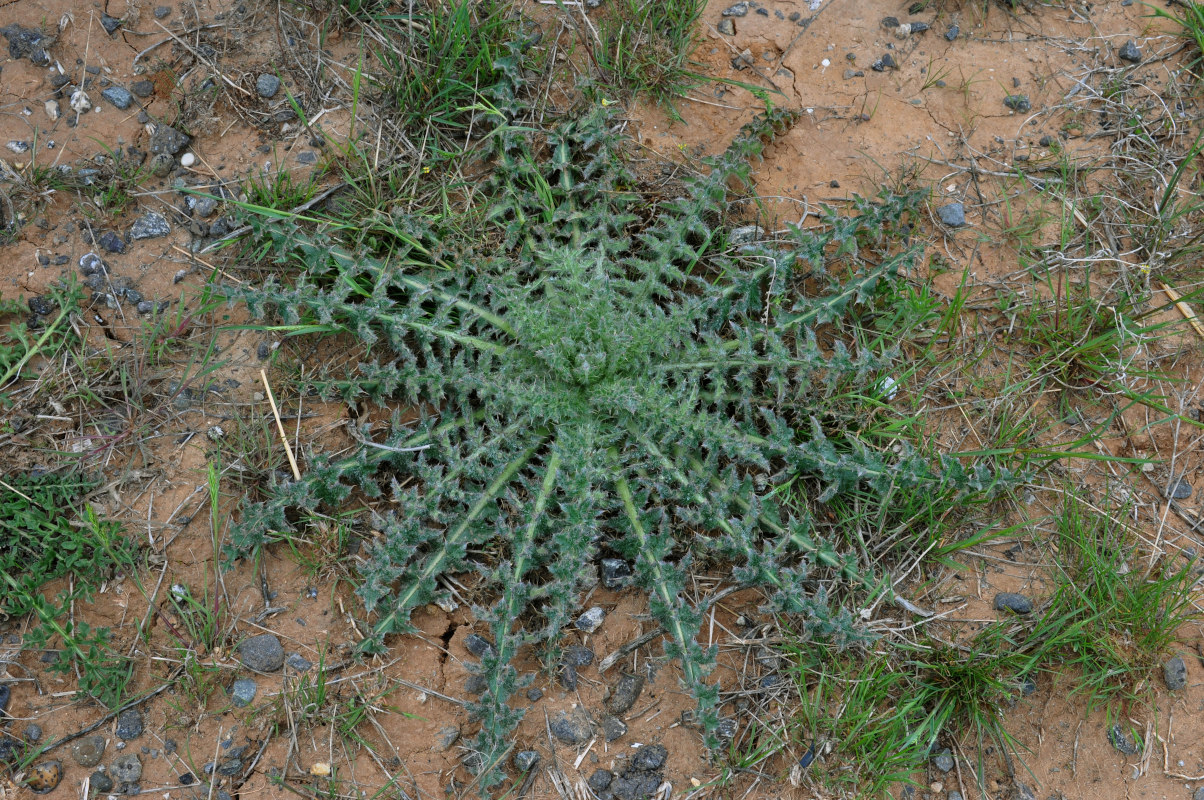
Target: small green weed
(441,59)
(643,49)
(42,539)
(1114,613)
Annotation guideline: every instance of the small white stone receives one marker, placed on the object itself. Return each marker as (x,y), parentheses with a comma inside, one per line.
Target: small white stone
(79,101)
(52,109)
(187,160)
(825,63)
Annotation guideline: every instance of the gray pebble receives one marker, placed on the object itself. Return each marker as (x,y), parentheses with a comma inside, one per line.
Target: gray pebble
(600,780)
(307,157)
(1014,602)
(150,225)
(296,662)
(161,164)
(534,694)
(943,760)
(111,242)
(126,769)
(267,85)
(1174,673)
(167,139)
(129,725)
(230,767)
(110,24)
(615,572)
(1018,103)
(952,33)
(162,12)
(205,206)
(577,656)
(727,27)
(88,751)
(142,88)
(573,727)
(1180,490)
(625,693)
(1122,741)
(737,10)
(1130,52)
(1198,794)
(955,795)
(243,692)
(262,653)
(145,307)
(885,62)
(525,760)
(33,733)
(650,758)
(478,645)
(953,215)
(590,620)
(476,684)
(613,728)
(118,96)
(101,782)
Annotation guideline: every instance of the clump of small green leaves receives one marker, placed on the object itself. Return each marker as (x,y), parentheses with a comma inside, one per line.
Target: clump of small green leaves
(643,49)
(596,379)
(1115,612)
(42,538)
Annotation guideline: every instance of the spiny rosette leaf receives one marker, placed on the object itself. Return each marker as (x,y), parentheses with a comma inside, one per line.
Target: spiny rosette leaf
(590,380)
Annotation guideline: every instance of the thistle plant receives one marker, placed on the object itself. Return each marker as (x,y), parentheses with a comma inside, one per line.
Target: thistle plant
(595,378)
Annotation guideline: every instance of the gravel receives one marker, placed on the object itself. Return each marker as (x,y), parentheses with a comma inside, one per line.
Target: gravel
(613,728)
(142,88)
(727,27)
(1122,741)
(111,242)
(1018,103)
(1174,673)
(573,727)
(953,214)
(615,573)
(110,24)
(1011,601)
(577,656)
(650,758)
(242,694)
(119,96)
(267,85)
(296,662)
(625,693)
(262,653)
(591,620)
(101,782)
(129,724)
(943,760)
(478,645)
(167,139)
(1179,490)
(737,10)
(525,760)
(88,751)
(126,769)
(150,225)
(1130,52)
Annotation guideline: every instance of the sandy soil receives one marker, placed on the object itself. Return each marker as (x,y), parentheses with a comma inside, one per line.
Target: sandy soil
(862,129)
